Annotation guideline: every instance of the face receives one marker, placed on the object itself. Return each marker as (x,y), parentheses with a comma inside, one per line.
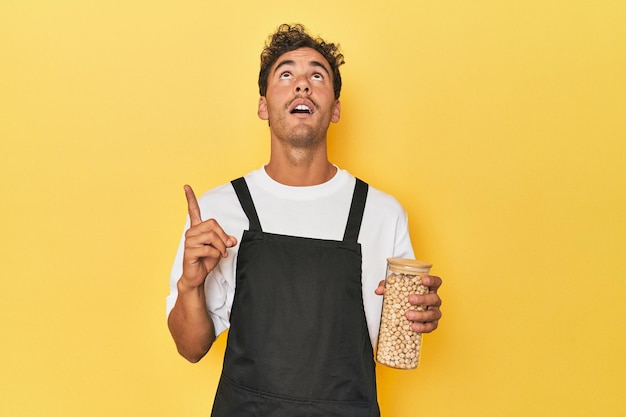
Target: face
(300,103)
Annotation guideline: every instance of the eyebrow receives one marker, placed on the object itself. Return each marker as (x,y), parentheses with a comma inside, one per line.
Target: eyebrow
(311,63)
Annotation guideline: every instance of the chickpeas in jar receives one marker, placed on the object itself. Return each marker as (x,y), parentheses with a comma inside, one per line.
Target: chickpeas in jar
(398,345)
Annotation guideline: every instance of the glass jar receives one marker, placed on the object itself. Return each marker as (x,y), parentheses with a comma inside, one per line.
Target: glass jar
(398,345)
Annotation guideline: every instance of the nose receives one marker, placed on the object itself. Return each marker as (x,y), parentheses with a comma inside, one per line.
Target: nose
(302,86)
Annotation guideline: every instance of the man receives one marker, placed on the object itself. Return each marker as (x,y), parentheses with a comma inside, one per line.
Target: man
(290,256)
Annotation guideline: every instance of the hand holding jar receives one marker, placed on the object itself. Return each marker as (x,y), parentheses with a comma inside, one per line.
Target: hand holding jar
(410,308)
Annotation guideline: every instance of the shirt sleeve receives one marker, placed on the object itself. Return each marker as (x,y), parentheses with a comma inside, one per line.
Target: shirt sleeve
(403,247)
(218,294)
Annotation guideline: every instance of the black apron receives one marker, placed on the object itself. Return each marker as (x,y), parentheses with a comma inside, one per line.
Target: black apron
(298,345)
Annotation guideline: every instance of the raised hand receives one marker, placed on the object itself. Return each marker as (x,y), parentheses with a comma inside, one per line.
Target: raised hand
(205,244)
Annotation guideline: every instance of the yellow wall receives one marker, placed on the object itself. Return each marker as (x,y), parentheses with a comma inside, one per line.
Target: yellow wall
(500,125)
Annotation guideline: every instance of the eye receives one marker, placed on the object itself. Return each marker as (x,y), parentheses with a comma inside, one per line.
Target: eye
(318,76)
(284,75)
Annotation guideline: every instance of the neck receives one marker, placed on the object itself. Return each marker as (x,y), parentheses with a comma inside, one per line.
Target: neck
(297,167)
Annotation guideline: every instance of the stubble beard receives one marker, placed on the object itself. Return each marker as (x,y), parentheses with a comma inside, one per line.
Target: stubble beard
(303,137)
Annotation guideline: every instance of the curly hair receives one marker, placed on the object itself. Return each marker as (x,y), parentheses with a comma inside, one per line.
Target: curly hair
(288,38)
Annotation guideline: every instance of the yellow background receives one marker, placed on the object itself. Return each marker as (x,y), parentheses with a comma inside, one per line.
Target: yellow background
(499,125)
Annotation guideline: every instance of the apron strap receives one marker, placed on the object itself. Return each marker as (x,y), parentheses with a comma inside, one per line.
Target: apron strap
(355,217)
(243,193)
(356,211)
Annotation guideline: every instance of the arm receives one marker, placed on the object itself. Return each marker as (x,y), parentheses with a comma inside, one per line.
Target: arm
(189,322)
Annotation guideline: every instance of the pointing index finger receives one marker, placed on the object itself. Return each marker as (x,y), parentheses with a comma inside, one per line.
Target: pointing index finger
(192,206)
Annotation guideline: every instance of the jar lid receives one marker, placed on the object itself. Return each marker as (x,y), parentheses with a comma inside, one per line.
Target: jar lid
(409,264)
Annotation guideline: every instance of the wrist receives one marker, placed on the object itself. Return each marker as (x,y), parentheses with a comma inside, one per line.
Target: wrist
(184,286)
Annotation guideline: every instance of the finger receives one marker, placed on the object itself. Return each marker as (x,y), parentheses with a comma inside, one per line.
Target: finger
(380,290)
(228,240)
(192,206)
(424,321)
(425,327)
(430,299)
(432,282)
(424,316)
(196,253)
(210,233)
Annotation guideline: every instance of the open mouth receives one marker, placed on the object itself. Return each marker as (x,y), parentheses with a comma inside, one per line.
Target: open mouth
(301,109)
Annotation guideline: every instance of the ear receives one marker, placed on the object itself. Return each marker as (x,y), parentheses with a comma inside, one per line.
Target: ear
(336,112)
(262,110)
